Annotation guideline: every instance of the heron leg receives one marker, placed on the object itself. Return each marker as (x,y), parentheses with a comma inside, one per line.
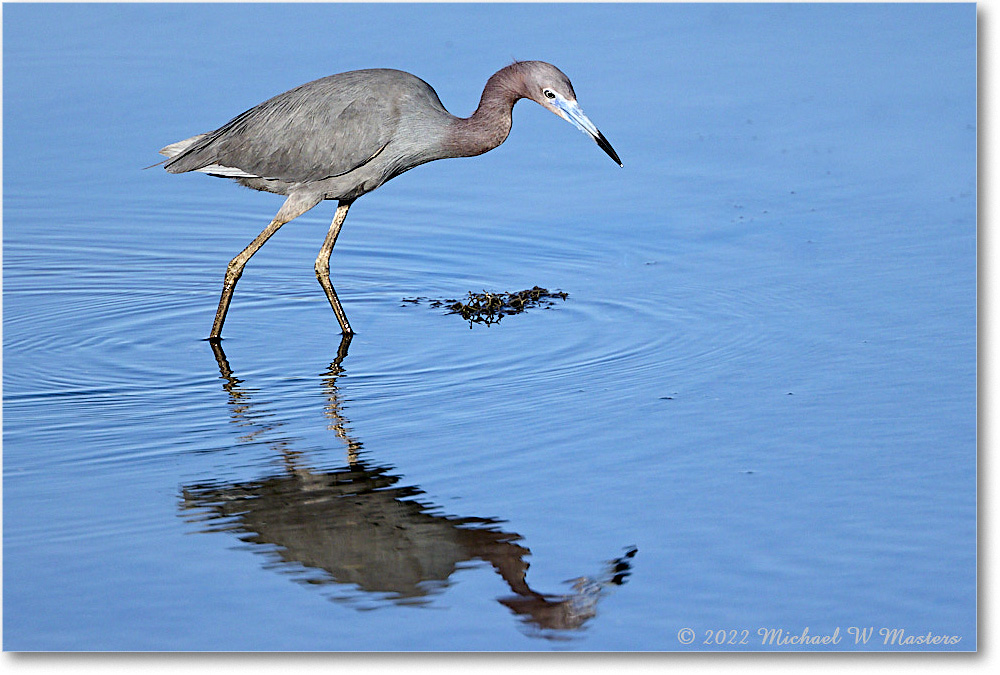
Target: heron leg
(294,206)
(323,266)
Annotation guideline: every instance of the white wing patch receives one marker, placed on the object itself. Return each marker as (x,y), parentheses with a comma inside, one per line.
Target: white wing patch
(226,171)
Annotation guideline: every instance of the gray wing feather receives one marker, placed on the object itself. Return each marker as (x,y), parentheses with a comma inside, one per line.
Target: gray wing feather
(325,128)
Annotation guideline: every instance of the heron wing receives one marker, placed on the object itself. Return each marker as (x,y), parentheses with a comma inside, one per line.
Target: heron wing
(325,128)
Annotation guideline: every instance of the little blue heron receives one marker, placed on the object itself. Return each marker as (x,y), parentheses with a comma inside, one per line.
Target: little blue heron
(344,135)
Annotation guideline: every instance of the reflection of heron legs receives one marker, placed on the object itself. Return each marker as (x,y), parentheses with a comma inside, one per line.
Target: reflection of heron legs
(323,265)
(293,207)
(220,358)
(345,342)
(333,409)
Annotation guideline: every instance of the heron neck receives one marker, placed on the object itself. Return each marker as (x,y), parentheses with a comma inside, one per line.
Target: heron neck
(490,125)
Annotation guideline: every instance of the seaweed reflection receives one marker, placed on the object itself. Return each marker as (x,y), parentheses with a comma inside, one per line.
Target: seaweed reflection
(356,525)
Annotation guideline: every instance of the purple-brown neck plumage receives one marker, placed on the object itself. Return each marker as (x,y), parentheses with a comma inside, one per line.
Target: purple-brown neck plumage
(489,126)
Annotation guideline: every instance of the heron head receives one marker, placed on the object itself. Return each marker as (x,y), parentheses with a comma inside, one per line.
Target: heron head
(547,86)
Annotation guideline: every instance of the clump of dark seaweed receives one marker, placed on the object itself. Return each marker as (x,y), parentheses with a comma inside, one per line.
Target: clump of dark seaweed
(489,308)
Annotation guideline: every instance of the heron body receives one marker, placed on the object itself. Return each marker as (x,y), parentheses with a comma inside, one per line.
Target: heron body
(342,136)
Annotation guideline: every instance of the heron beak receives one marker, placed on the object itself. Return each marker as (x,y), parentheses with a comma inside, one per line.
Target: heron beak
(570,111)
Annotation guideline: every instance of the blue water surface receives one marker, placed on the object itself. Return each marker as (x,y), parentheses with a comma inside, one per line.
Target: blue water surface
(762,377)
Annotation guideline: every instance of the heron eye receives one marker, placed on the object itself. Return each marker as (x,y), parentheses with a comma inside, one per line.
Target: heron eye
(549,93)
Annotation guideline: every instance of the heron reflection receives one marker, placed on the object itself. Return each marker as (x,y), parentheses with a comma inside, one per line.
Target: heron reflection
(357,525)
